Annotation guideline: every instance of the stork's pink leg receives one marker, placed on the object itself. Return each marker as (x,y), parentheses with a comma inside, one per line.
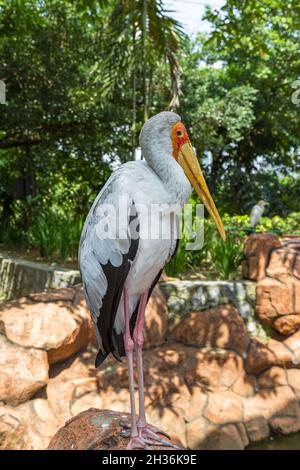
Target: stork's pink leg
(136,441)
(146,432)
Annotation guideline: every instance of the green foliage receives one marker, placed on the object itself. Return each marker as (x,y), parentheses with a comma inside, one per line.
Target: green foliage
(226,256)
(219,259)
(81,78)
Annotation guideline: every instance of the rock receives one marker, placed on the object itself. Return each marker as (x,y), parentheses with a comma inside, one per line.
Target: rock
(293,378)
(273,299)
(283,356)
(23,371)
(70,385)
(225,438)
(196,433)
(273,377)
(259,357)
(29,425)
(245,385)
(220,327)
(287,325)
(257,251)
(257,428)
(53,295)
(223,408)
(59,327)
(285,424)
(189,403)
(156,320)
(94,430)
(169,421)
(268,403)
(293,343)
(284,262)
(214,369)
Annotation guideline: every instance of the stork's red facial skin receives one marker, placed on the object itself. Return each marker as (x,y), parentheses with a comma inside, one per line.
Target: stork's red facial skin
(179,137)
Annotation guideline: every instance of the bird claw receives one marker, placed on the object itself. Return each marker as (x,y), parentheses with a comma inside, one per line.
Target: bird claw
(136,443)
(150,437)
(154,430)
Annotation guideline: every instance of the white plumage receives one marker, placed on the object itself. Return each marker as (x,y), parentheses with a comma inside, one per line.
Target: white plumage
(257,211)
(167,186)
(130,233)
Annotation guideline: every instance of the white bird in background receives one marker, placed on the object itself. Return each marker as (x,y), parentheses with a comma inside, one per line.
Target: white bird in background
(257,211)
(120,269)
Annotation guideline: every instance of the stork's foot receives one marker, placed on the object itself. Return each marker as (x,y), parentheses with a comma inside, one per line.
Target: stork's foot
(137,443)
(150,435)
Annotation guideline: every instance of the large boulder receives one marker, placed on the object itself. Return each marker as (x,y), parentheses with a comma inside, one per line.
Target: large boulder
(257,251)
(220,327)
(23,371)
(55,321)
(278,304)
(95,429)
(259,357)
(285,262)
(28,426)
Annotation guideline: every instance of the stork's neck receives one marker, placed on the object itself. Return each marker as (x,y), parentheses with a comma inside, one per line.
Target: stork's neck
(159,157)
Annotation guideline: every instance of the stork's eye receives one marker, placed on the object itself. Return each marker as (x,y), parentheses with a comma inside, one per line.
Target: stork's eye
(179,133)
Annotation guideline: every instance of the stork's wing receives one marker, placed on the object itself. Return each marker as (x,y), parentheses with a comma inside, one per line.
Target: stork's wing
(105,257)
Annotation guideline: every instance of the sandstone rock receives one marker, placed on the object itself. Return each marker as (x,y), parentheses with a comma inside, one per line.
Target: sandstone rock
(273,299)
(89,400)
(223,408)
(283,356)
(259,357)
(224,438)
(53,295)
(269,403)
(293,378)
(214,369)
(53,325)
(273,377)
(287,325)
(220,327)
(258,248)
(245,385)
(94,430)
(167,419)
(156,320)
(23,371)
(293,343)
(243,434)
(189,405)
(64,390)
(196,433)
(28,426)
(284,262)
(285,424)
(257,428)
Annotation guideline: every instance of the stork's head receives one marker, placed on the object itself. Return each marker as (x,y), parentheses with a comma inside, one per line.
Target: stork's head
(165,137)
(263,204)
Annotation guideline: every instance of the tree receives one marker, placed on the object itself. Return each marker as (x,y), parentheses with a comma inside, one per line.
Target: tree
(236,85)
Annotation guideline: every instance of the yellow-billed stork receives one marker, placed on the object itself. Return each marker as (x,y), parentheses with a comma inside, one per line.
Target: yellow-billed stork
(120,259)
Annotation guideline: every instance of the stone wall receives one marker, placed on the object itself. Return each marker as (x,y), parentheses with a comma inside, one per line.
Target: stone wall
(186,296)
(208,383)
(20,277)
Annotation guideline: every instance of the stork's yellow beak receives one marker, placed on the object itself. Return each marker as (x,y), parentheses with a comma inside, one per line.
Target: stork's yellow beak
(189,162)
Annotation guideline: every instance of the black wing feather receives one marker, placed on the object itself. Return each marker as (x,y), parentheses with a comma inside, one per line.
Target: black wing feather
(116,278)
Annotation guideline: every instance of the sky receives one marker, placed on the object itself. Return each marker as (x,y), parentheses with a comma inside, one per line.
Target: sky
(190,12)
